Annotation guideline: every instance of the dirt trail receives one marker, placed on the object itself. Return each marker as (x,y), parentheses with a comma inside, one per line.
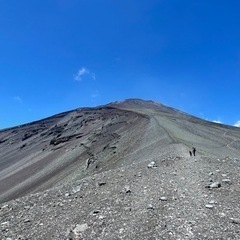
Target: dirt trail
(179,178)
(182,179)
(231,137)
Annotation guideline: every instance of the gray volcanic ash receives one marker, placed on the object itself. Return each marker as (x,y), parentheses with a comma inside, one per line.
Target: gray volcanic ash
(120,171)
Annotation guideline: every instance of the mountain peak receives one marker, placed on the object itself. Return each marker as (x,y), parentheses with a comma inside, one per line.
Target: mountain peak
(148,106)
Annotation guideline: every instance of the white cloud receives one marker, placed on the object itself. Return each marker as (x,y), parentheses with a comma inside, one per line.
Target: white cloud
(83,72)
(217,121)
(237,124)
(18,99)
(95,94)
(93,76)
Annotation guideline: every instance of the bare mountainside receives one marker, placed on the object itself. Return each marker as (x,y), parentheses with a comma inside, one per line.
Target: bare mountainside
(120,171)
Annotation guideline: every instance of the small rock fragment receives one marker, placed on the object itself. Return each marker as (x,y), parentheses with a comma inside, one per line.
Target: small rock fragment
(235,220)
(150,207)
(4,206)
(80,228)
(60,204)
(76,189)
(152,165)
(127,189)
(96,211)
(222,214)
(214,185)
(5,223)
(67,194)
(101,183)
(27,220)
(209,206)
(227,181)
(163,198)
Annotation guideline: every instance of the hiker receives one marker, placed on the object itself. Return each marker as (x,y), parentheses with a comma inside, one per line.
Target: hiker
(190,152)
(194,151)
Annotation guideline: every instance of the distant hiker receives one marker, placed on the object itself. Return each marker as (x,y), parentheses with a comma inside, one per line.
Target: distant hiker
(190,152)
(194,151)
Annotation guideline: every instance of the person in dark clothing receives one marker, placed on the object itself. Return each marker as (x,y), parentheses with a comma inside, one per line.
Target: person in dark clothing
(190,152)
(194,151)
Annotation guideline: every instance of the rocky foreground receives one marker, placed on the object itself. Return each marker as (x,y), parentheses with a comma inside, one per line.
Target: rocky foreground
(154,189)
(171,198)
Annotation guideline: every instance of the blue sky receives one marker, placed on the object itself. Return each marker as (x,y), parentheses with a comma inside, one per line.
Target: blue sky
(58,55)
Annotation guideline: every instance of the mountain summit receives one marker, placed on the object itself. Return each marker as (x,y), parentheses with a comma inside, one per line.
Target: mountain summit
(120,171)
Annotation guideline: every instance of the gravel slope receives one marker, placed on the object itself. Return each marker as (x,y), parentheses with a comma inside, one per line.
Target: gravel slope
(125,197)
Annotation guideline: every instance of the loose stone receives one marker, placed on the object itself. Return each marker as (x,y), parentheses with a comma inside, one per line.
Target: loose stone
(101,183)
(235,220)
(150,207)
(152,165)
(163,198)
(209,206)
(80,228)
(214,185)
(228,181)
(127,189)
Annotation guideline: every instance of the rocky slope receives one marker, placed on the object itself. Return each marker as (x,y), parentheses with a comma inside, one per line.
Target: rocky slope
(120,171)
